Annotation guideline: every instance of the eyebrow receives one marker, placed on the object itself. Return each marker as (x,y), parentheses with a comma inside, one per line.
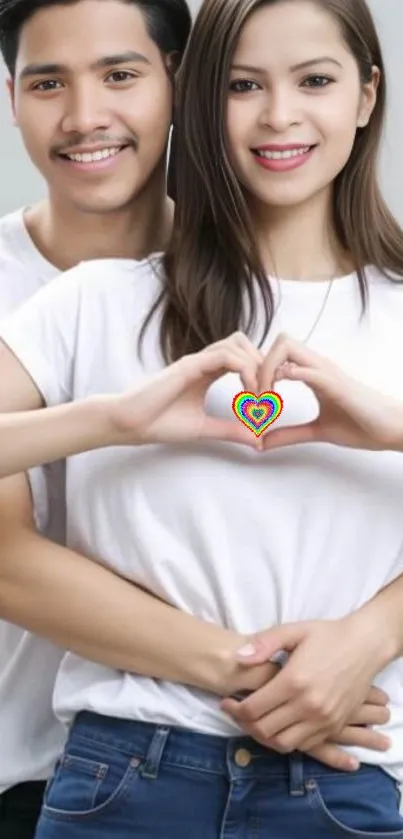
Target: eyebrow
(302,66)
(105,61)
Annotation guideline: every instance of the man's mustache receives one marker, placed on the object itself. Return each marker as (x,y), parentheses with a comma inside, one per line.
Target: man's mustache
(104,139)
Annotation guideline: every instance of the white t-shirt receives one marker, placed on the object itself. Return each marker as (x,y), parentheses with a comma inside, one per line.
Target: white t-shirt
(235,537)
(31,738)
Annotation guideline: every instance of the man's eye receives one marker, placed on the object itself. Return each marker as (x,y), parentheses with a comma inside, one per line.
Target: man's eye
(49,84)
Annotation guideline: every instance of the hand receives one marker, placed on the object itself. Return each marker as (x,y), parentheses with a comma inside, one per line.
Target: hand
(169,407)
(373,712)
(321,688)
(350,414)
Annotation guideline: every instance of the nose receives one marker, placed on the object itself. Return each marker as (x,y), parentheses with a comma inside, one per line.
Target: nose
(85,110)
(280,111)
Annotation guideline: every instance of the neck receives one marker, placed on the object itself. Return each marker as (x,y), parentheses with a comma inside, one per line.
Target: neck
(299,242)
(66,235)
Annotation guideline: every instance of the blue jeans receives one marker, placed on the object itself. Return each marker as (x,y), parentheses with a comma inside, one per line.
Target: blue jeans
(128,780)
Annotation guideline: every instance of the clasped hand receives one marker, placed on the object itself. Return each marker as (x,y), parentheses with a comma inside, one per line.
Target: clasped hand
(322,698)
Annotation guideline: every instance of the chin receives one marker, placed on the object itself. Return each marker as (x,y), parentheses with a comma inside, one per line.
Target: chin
(280,200)
(283,195)
(101,205)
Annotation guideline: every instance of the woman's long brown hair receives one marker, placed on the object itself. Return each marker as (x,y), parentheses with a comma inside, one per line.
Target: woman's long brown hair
(212,267)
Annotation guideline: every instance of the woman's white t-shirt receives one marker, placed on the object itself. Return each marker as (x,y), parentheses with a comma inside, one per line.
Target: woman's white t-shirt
(233,536)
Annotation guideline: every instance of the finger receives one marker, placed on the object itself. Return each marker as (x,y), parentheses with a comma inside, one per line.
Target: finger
(264,645)
(365,738)
(330,383)
(241,345)
(370,715)
(228,431)
(307,735)
(376,696)
(333,756)
(225,359)
(302,736)
(249,379)
(255,709)
(285,350)
(236,340)
(294,435)
(306,738)
(244,343)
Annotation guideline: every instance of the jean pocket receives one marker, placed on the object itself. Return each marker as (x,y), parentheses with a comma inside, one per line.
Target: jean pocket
(364,804)
(85,785)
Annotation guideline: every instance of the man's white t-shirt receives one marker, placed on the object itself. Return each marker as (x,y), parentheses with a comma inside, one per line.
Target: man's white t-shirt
(31,737)
(243,539)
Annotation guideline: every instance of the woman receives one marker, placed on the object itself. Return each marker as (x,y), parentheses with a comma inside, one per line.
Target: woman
(280,117)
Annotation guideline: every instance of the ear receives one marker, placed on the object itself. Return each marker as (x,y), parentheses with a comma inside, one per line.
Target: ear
(11,92)
(172,63)
(369,95)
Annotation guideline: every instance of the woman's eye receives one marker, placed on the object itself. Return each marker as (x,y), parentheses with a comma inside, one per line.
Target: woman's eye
(243,86)
(119,76)
(49,84)
(317,81)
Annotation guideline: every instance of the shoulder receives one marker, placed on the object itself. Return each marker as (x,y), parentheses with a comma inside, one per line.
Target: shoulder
(385,301)
(23,270)
(10,225)
(109,278)
(384,280)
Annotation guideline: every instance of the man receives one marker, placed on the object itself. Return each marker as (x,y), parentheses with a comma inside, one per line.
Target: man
(91,87)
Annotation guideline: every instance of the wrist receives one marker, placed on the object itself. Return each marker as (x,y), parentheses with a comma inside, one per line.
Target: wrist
(379,632)
(395,441)
(105,413)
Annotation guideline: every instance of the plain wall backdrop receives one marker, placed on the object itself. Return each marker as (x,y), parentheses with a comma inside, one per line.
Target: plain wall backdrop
(21,184)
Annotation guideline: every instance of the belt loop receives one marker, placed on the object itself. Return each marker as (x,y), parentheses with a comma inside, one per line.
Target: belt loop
(155,752)
(296,780)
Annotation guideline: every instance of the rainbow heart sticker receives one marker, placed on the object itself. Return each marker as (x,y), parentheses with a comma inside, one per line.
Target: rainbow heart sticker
(257,412)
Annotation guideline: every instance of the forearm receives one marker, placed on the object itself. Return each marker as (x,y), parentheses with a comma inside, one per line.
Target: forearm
(384,614)
(82,606)
(34,437)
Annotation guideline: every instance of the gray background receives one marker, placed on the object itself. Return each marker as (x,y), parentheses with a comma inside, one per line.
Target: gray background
(20,183)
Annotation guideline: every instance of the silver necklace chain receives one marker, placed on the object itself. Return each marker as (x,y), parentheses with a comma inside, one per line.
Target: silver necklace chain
(321,311)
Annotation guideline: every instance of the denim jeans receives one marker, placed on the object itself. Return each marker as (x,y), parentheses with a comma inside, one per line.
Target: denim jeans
(128,780)
(19,810)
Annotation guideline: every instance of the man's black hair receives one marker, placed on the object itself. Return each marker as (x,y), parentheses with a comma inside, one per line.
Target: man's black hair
(168,24)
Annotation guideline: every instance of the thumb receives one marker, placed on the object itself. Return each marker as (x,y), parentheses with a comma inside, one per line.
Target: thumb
(272,644)
(292,435)
(229,431)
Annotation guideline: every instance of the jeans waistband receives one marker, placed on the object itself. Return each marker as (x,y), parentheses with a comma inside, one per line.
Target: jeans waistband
(237,758)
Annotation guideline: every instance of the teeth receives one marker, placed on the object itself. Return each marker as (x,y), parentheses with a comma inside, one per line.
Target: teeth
(283,155)
(93,158)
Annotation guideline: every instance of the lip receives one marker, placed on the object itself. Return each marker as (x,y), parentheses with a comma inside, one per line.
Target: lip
(92,167)
(288,147)
(93,149)
(286,164)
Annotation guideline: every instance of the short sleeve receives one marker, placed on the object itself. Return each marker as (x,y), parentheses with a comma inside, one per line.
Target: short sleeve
(42,334)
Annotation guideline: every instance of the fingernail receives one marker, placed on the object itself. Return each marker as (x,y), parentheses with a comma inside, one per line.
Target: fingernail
(280,658)
(353,764)
(247,651)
